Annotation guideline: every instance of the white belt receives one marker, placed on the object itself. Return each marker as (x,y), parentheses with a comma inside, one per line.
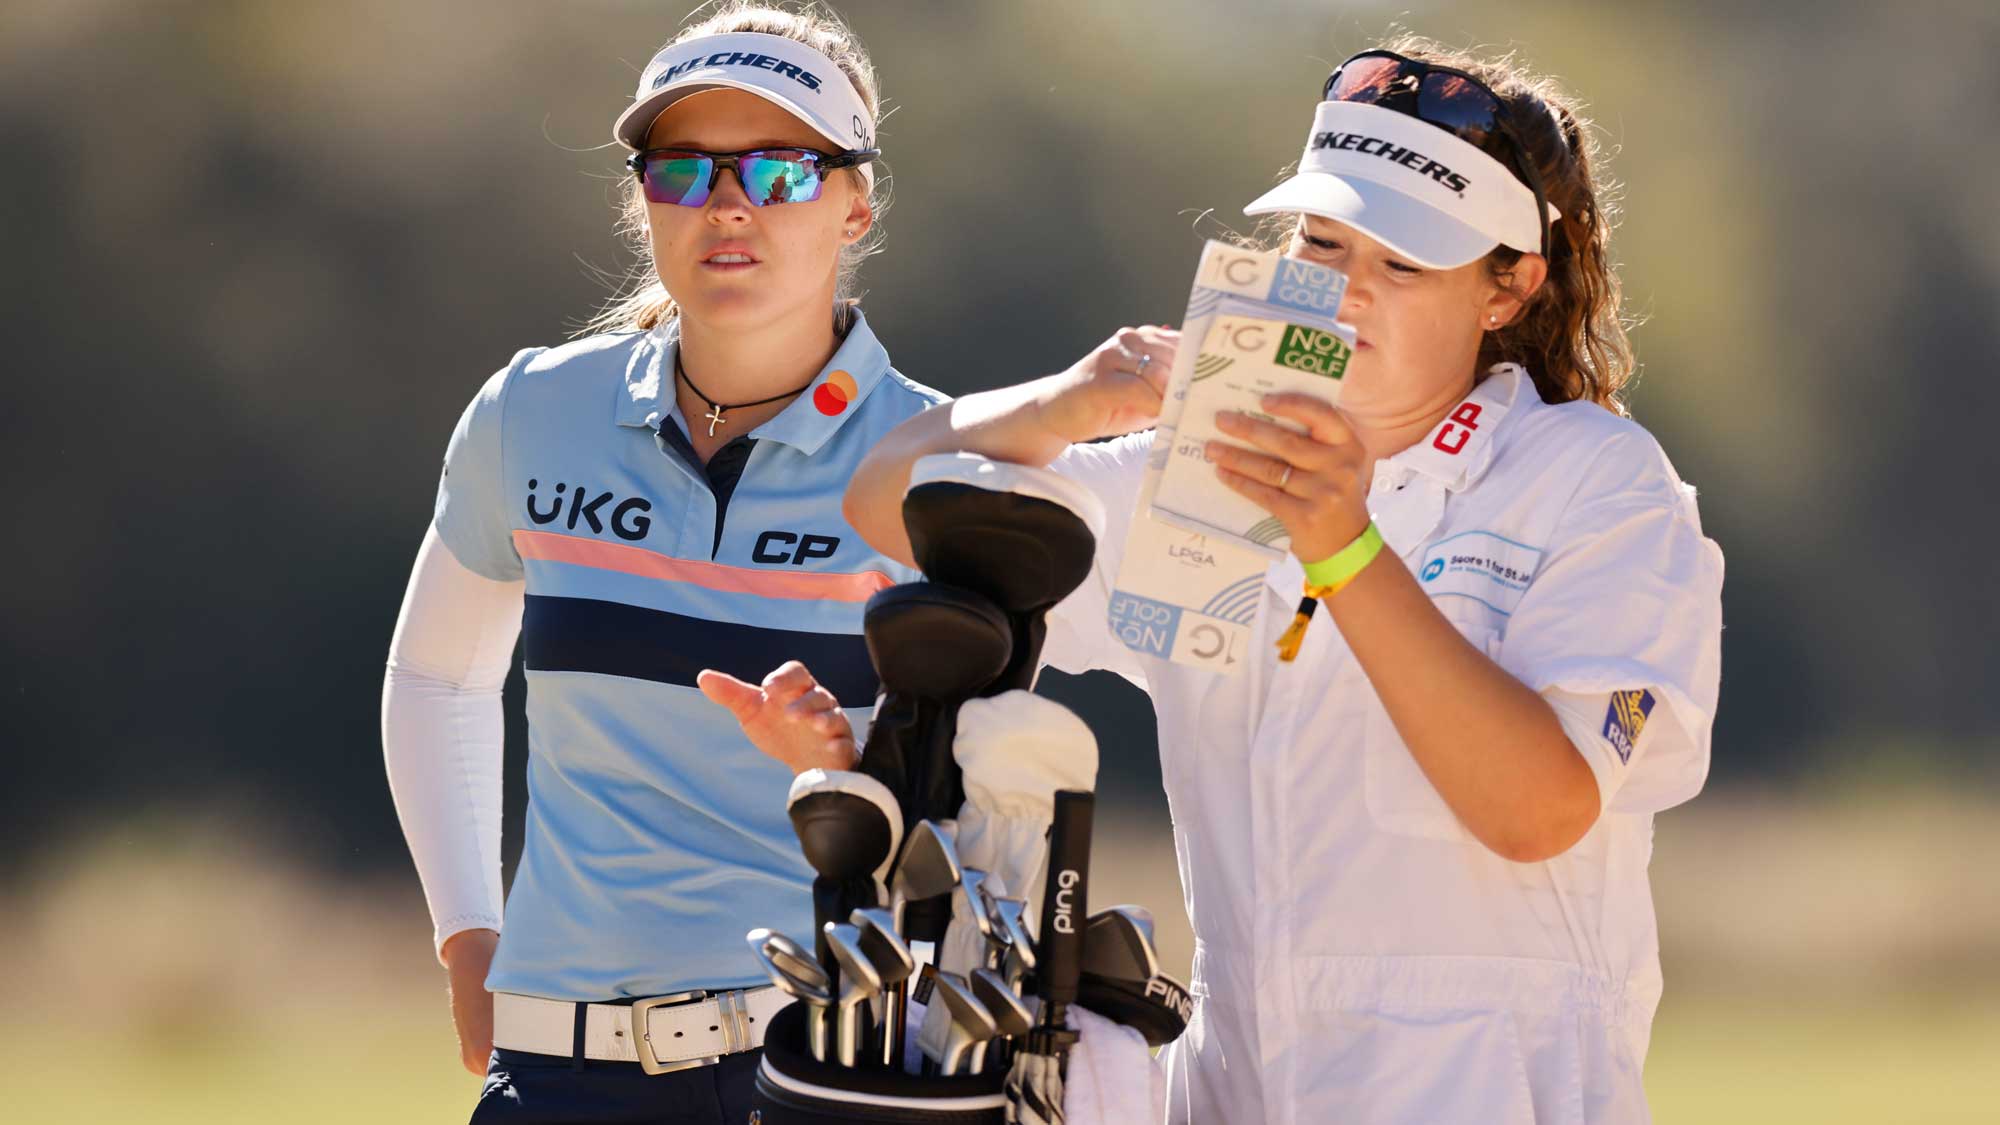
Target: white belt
(660,1033)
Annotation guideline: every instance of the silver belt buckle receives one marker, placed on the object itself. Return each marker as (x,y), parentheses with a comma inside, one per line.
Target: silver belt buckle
(642,1039)
(733,1015)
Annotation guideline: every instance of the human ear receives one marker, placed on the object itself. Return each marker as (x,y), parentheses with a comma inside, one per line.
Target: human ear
(1512,287)
(860,217)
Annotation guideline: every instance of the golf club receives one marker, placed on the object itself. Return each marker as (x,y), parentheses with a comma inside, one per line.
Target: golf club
(929,869)
(971,881)
(968,1025)
(1158,1007)
(998,940)
(1009,1012)
(1141,916)
(894,964)
(1118,946)
(1011,918)
(848,826)
(859,981)
(795,973)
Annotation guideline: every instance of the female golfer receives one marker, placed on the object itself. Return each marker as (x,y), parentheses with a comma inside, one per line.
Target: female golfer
(640,505)
(1414,851)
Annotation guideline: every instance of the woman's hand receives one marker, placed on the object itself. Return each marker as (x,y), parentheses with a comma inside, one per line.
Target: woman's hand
(1114,390)
(790,717)
(1323,500)
(467,955)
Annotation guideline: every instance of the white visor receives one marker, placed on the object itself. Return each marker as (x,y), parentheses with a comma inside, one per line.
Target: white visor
(1410,185)
(784,72)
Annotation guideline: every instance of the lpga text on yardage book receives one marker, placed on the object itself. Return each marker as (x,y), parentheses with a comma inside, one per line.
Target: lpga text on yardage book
(1191,577)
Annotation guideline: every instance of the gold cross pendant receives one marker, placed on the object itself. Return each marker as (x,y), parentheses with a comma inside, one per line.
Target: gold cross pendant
(714,417)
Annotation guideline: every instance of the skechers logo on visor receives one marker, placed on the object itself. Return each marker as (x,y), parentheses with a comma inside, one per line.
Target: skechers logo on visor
(771,63)
(1407,157)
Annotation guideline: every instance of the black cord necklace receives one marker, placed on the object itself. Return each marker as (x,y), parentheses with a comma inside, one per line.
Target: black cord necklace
(715,409)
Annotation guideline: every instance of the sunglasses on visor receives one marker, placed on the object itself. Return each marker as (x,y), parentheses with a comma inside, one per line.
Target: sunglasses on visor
(770,175)
(1448,99)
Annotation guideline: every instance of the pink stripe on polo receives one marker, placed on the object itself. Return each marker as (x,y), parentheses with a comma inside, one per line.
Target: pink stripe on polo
(549,546)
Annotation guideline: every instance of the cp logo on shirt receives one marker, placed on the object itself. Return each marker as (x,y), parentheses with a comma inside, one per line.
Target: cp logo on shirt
(786,546)
(1449,437)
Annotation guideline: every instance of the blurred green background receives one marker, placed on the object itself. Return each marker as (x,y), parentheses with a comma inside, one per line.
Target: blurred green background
(261,254)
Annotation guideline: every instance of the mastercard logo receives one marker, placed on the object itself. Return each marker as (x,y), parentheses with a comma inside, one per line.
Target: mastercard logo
(832,396)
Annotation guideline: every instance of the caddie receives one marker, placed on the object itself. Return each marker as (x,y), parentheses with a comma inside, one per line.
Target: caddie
(1414,838)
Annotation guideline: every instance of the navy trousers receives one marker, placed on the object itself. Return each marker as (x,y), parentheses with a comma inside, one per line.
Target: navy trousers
(528,1089)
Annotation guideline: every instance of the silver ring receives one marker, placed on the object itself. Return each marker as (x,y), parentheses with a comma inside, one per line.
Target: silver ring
(1284,477)
(1144,359)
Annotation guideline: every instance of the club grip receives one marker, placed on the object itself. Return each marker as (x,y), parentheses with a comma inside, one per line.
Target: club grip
(1065,899)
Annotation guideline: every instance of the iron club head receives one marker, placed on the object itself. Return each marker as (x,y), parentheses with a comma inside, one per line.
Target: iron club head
(1011,917)
(883,945)
(796,974)
(894,963)
(971,885)
(859,981)
(1010,1013)
(929,868)
(971,1022)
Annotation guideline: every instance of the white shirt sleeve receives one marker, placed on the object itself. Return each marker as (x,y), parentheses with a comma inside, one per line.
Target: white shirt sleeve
(1621,629)
(1079,628)
(1584,716)
(442,732)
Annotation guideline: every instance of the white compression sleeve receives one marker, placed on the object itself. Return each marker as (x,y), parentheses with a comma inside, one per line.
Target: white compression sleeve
(442,732)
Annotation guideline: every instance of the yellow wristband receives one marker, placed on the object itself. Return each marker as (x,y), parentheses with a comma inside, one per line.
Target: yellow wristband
(1340,569)
(1326,578)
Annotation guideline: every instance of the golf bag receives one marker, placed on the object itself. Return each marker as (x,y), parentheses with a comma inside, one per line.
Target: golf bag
(793,1088)
(999,546)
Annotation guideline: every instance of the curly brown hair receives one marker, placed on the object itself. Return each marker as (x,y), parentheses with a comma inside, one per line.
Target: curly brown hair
(1571,335)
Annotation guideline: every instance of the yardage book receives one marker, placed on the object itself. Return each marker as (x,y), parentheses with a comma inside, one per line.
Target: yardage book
(1193,571)
(1246,354)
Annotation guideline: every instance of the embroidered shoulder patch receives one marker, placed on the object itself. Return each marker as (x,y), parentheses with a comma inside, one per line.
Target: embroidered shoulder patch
(1625,720)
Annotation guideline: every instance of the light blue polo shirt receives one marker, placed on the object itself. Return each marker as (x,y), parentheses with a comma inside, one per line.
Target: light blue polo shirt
(656,834)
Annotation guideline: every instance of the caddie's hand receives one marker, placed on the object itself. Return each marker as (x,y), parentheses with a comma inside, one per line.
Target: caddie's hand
(790,717)
(1312,481)
(1114,390)
(468,954)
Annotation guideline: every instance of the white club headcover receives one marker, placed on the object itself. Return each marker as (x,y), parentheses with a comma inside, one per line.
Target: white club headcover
(1015,750)
(1113,1078)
